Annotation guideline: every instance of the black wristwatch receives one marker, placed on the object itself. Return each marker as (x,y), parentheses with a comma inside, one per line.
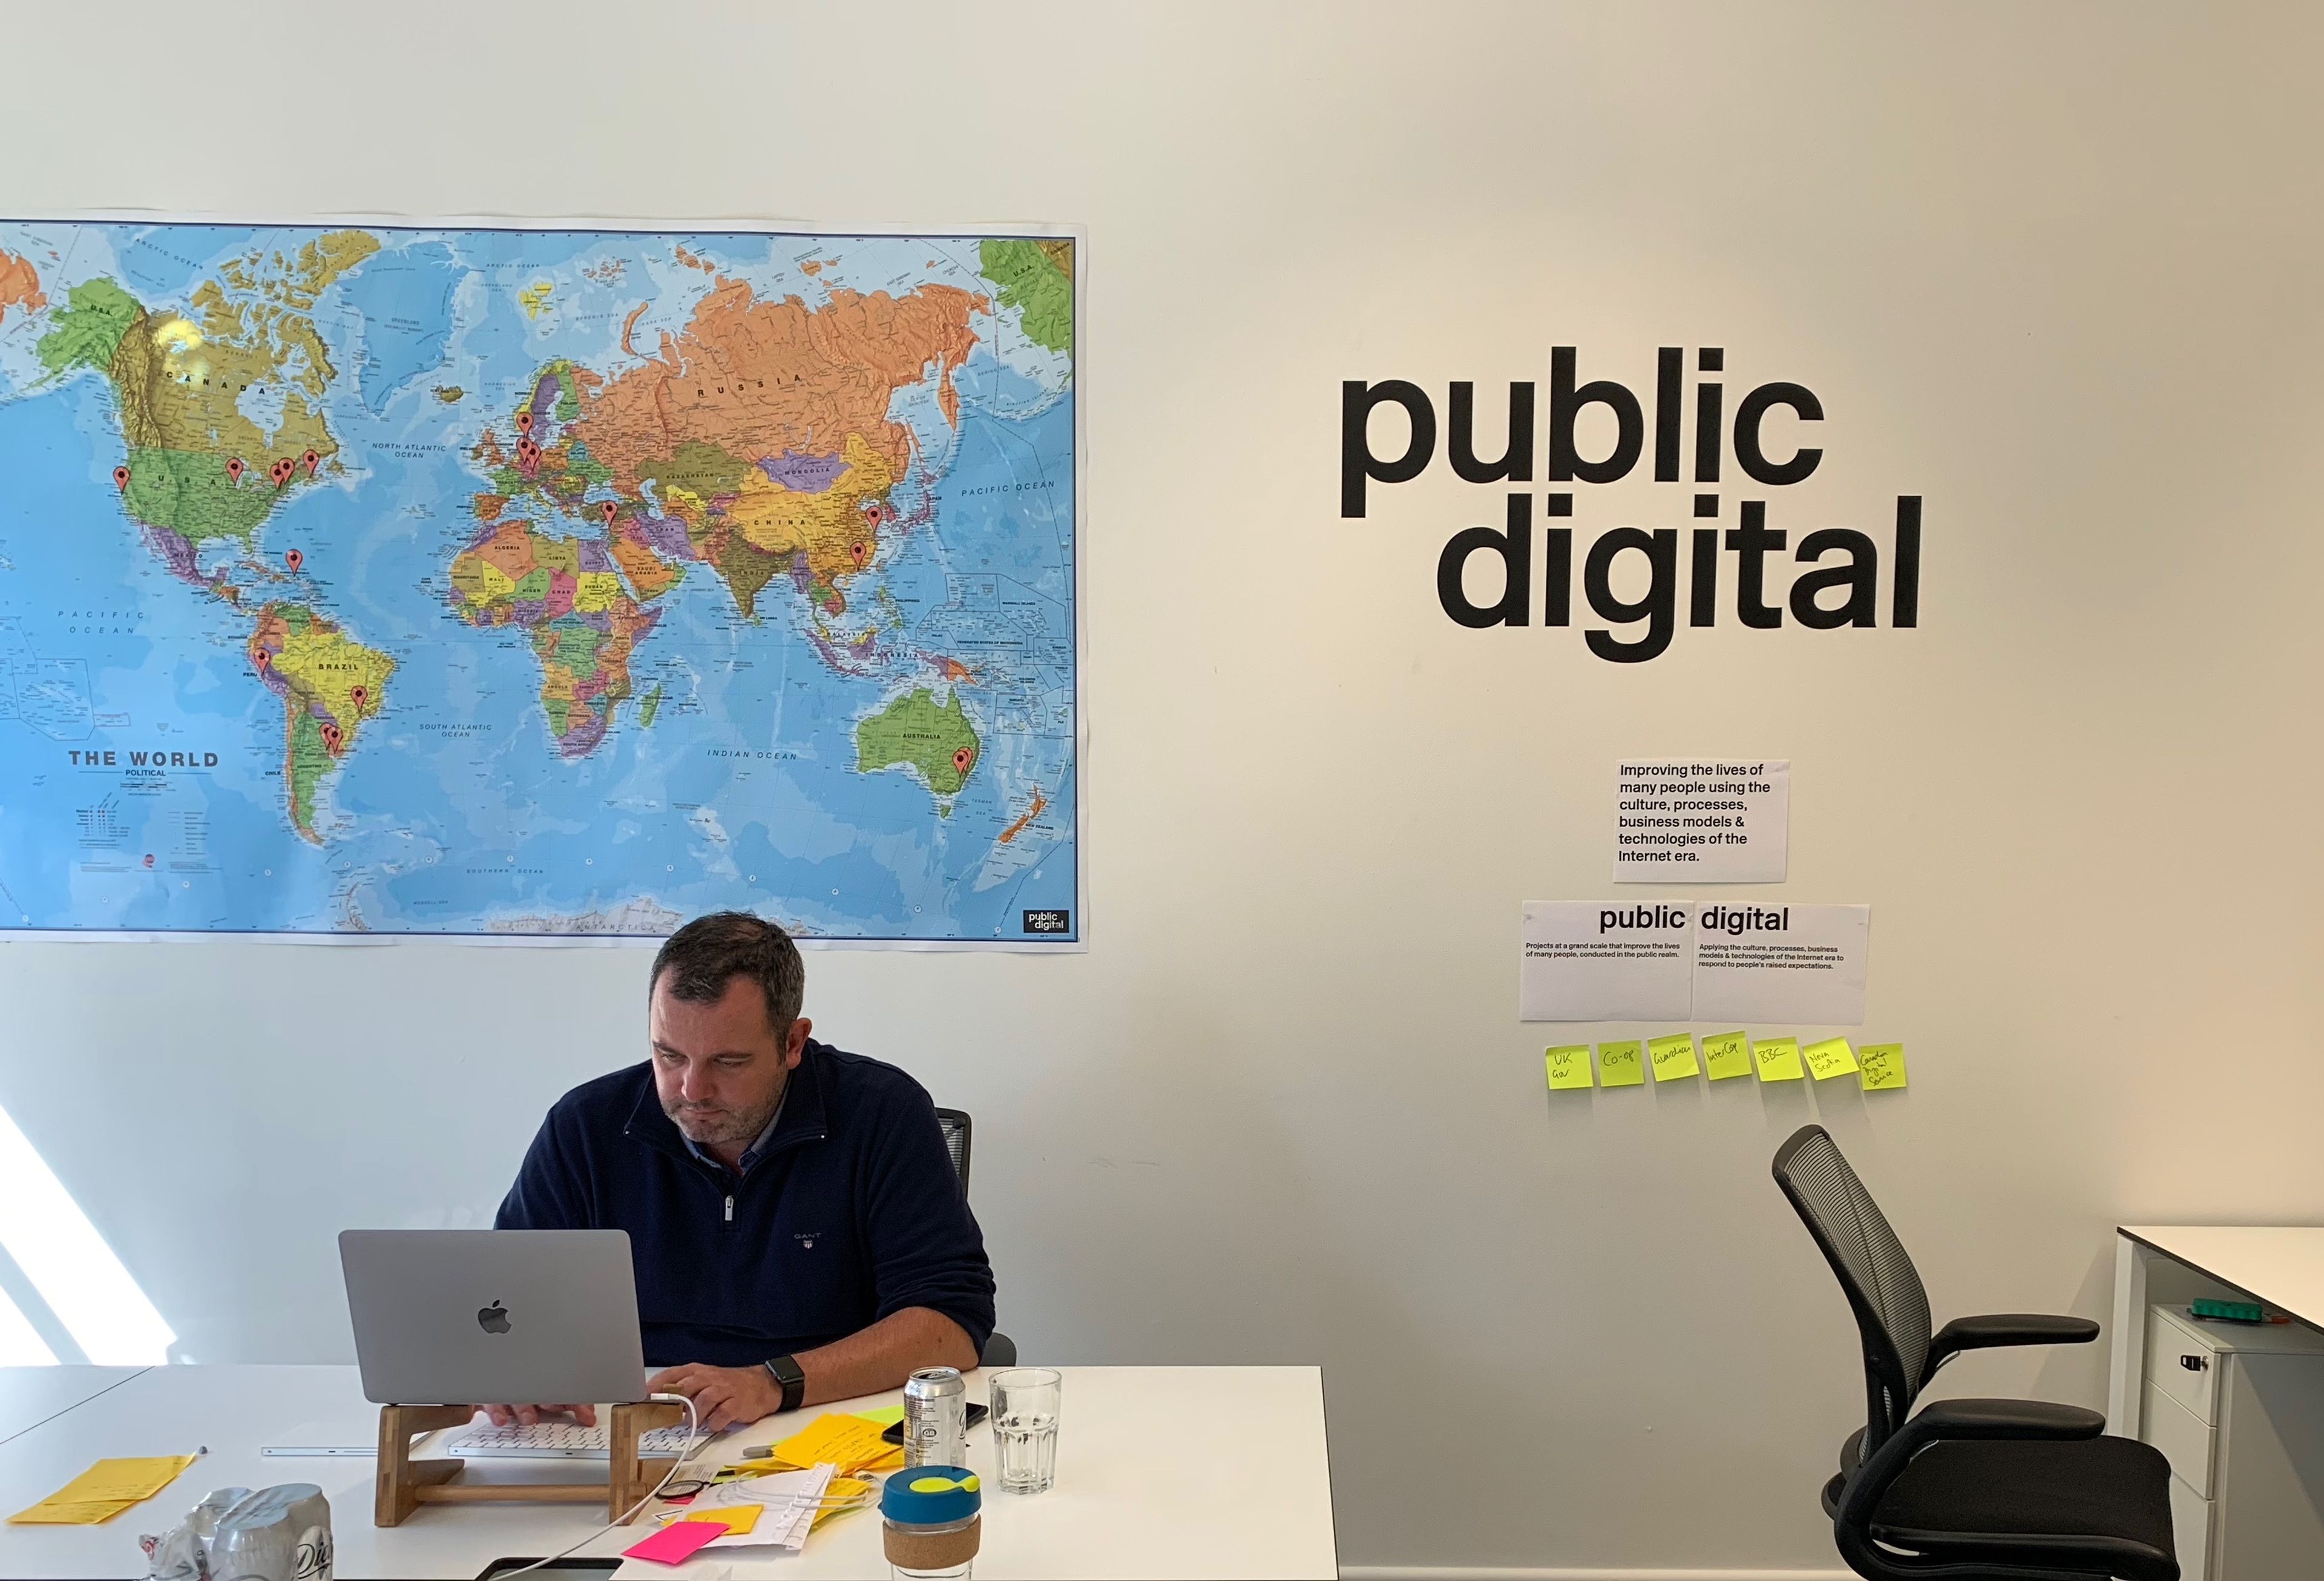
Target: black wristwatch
(786,1372)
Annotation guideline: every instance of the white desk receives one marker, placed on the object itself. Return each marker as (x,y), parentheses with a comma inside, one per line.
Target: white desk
(29,1396)
(2281,1266)
(1162,1472)
(2241,1414)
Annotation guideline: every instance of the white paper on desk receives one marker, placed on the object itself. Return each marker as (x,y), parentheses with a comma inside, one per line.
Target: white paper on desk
(1611,961)
(792,1500)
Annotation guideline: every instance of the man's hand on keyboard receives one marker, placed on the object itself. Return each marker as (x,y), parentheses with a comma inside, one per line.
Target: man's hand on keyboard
(505,1416)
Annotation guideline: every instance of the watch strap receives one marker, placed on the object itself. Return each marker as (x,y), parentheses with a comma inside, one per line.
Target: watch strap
(785,1370)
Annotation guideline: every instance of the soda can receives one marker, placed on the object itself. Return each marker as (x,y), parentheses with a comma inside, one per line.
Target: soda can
(936,1418)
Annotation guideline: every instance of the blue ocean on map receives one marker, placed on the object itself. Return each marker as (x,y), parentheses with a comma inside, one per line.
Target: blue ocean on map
(536,583)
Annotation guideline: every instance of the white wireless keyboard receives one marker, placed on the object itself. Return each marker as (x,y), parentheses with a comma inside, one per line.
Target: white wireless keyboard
(557,1440)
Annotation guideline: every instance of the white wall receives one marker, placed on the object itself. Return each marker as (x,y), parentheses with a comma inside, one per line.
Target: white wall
(2058,269)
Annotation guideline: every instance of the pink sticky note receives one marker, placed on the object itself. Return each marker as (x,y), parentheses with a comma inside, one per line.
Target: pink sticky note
(674,1543)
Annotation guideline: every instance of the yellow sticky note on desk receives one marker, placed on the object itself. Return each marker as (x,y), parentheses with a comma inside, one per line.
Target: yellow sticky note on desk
(842,1487)
(105,1490)
(1622,1064)
(1832,1057)
(1672,1057)
(1727,1053)
(1778,1058)
(1569,1067)
(848,1442)
(887,1416)
(53,1512)
(733,1517)
(1884,1066)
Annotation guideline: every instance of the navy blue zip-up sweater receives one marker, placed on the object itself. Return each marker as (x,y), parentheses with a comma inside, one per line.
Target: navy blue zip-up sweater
(853,1212)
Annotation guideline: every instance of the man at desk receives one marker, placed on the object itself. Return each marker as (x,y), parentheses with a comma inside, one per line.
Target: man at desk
(799,1232)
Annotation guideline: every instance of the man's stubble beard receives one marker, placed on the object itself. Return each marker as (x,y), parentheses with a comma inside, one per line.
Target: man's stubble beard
(732,1128)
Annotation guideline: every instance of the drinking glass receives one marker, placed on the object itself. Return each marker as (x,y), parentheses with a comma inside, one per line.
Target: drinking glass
(1024,1401)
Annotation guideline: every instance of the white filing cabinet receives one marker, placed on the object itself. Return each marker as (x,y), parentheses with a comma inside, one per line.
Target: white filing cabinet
(2238,1410)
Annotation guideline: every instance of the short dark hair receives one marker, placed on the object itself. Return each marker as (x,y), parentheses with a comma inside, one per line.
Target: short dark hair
(711,952)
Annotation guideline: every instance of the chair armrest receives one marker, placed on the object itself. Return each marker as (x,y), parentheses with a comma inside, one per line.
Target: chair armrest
(1956,1419)
(2000,1328)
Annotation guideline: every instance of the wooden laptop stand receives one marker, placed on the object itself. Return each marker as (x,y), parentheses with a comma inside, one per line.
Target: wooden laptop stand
(405,1483)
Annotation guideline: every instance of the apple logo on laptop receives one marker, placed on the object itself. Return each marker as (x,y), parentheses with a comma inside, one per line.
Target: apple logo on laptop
(493,1319)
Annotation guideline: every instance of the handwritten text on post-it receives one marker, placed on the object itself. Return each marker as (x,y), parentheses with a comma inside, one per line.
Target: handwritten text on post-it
(1778,1058)
(1622,1064)
(1672,1057)
(1830,1058)
(1569,1067)
(1884,1066)
(1727,1053)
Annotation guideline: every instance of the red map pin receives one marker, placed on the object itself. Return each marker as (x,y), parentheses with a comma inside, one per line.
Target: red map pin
(360,694)
(961,760)
(857,550)
(312,461)
(524,422)
(233,470)
(293,558)
(120,477)
(280,471)
(610,510)
(331,736)
(264,658)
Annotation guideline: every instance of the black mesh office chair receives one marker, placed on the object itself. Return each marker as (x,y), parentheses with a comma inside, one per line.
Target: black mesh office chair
(1966,1490)
(959,1132)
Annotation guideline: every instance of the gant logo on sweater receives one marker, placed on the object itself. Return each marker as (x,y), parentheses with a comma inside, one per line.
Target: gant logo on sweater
(807,1239)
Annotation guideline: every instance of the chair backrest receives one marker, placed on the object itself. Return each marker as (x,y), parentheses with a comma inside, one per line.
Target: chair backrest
(958,1131)
(1884,1289)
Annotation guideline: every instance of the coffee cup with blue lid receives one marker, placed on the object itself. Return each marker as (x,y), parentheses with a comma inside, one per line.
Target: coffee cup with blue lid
(933,1520)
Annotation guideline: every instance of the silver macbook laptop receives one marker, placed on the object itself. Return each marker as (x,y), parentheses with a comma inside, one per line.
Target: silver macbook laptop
(463,1317)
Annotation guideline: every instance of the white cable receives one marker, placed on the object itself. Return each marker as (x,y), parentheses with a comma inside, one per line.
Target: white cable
(626,1515)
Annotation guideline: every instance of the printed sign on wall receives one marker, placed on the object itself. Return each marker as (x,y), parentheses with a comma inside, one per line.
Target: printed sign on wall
(1702,820)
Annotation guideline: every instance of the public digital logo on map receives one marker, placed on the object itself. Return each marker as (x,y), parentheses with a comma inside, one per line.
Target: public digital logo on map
(1048,922)
(1730,572)
(538,580)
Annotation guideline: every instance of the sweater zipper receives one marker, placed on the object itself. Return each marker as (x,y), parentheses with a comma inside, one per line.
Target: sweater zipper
(730,1207)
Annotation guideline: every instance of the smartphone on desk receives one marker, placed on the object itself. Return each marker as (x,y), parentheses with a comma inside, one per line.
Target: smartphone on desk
(895,1433)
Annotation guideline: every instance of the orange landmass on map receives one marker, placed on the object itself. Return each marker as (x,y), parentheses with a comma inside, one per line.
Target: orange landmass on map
(631,323)
(758,378)
(1031,812)
(19,285)
(647,571)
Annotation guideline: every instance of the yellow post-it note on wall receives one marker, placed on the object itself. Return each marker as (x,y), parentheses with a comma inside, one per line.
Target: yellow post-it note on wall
(1622,1064)
(1832,1057)
(1727,1053)
(1672,1057)
(1884,1065)
(1569,1067)
(104,1491)
(1778,1058)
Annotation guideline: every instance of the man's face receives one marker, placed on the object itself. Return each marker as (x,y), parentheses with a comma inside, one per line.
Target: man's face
(720,1068)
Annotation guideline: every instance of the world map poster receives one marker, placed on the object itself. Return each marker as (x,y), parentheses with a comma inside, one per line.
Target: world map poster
(469,580)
